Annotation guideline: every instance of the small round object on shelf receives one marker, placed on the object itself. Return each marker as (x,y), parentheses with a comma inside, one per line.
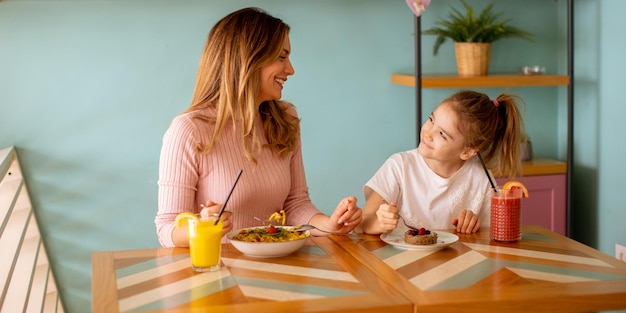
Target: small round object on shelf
(532,70)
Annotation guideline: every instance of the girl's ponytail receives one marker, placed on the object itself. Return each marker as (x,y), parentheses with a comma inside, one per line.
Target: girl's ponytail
(507,139)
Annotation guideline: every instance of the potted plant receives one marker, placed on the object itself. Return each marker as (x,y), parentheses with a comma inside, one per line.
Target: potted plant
(473,36)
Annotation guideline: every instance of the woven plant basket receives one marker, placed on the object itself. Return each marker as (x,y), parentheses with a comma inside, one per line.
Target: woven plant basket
(472,58)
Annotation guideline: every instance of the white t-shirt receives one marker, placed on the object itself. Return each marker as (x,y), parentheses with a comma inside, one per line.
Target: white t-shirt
(424,198)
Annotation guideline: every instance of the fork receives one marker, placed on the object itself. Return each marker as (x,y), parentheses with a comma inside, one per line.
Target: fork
(399,216)
(309,227)
(405,224)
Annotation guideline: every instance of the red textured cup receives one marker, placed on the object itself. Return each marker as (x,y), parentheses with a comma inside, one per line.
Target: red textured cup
(506,209)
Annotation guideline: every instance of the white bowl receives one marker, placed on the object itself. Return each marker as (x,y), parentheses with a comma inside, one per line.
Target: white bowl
(267,249)
(532,70)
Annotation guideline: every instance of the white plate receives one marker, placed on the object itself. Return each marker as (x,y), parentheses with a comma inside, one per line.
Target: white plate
(396,239)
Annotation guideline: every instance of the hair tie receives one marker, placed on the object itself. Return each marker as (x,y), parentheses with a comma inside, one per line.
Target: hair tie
(495,102)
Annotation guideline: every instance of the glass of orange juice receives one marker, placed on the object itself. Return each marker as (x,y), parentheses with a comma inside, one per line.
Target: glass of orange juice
(205,243)
(506,207)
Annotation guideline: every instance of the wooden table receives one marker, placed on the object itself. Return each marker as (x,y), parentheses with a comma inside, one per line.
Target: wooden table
(319,277)
(544,272)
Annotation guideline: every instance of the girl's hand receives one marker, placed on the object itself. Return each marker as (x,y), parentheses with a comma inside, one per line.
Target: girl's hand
(212,208)
(387,215)
(467,222)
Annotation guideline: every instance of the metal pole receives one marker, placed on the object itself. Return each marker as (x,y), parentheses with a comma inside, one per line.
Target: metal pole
(570,115)
(418,79)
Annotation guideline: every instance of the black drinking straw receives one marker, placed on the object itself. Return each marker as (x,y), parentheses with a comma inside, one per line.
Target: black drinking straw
(493,186)
(228,197)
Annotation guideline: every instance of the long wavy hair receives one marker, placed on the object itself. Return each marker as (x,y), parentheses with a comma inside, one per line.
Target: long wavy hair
(228,80)
(493,127)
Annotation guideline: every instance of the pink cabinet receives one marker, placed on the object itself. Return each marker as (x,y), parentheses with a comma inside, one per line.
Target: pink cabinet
(546,205)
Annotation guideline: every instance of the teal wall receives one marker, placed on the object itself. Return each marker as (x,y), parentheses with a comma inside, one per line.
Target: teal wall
(87,89)
(603,118)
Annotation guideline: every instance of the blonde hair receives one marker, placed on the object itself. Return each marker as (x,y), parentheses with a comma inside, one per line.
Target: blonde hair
(493,127)
(237,48)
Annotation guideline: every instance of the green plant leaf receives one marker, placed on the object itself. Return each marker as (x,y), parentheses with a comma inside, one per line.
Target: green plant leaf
(488,26)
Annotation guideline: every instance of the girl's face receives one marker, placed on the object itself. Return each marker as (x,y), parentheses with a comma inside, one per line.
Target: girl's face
(441,141)
(274,75)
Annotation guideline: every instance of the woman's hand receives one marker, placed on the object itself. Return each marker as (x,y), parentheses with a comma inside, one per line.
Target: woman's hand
(467,222)
(387,215)
(212,208)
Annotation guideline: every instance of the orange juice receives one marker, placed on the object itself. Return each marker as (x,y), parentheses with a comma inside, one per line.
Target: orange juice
(205,244)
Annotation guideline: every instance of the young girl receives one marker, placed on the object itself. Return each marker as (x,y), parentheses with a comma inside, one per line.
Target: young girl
(442,184)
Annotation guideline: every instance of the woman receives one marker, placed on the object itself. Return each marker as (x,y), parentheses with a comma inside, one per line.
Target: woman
(236,120)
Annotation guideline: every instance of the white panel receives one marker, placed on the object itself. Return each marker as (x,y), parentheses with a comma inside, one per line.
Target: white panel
(9,245)
(8,194)
(22,202)
(52,286)
(42,259)
(27,281)
(32,232)
(21,279)
(59,307)
(6,157)
(51,302)
(10,190)
(38,290)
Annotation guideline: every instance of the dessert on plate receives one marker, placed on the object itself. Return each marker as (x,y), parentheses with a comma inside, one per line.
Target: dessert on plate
(420,236)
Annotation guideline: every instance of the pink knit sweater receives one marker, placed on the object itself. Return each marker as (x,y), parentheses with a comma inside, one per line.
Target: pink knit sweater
(188,178)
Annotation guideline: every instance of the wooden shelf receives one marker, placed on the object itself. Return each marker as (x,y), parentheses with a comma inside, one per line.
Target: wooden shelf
(495,80)
(542,166)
